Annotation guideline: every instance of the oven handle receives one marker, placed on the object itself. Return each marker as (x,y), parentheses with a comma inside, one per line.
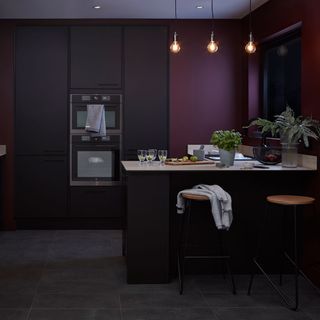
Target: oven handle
(105,146)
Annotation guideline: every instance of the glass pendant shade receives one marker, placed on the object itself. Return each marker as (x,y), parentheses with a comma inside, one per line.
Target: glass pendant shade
(250,46)
(212,47)
(175,46)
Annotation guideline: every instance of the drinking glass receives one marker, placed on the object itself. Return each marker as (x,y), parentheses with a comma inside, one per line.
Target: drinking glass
(162,154)
(142,154)
(151,155)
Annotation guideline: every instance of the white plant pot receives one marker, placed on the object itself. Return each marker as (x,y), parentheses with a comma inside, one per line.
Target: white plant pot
(227,157)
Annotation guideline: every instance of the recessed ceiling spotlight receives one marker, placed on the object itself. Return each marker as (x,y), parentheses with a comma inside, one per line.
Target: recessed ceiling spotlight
(199,7)
(96,7)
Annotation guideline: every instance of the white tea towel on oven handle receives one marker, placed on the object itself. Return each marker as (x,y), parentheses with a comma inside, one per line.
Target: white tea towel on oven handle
(96,121)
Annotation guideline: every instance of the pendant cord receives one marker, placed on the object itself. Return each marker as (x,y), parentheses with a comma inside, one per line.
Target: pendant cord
(212,15)
(250,19)
(175,9)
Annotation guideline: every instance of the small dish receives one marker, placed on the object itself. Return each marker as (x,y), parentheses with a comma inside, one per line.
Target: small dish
(267,155)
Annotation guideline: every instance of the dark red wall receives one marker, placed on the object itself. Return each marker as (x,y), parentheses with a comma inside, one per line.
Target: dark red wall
(270,19)
(205,89)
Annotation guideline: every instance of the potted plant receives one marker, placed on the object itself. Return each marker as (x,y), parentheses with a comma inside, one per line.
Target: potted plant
(227,141)
(291,130)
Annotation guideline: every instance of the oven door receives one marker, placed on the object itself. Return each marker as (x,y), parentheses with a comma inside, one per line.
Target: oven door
(79,118)
(94,165)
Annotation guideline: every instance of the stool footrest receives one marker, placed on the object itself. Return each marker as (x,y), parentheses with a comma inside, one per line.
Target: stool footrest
(302,273)
(287,301)
(207,257)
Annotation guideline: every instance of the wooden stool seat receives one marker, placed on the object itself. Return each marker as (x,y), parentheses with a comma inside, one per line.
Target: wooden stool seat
(290,200)
(195,197)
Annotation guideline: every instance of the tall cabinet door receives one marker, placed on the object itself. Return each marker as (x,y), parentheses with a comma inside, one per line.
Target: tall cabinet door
(146,89)
(41,186)
(41,121)
(96,55)
(41,90)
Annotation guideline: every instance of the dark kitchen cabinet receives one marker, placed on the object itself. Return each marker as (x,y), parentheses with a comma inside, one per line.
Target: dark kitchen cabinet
(96,56)
(41,186)
(97,202)
(146,89)
(41,68)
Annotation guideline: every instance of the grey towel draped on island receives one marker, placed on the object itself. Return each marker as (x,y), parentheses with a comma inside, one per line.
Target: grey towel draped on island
(96,122)
(220,200)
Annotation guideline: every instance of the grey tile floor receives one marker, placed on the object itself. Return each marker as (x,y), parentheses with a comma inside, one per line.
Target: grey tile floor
(80,275)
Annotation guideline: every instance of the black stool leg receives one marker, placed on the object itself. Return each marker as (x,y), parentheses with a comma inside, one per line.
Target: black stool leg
(283,239)
(296,258)
(226,258)
(183,244)
(259,243)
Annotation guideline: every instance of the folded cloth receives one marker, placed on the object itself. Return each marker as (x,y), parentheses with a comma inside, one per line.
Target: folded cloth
(220,200)
(96,121)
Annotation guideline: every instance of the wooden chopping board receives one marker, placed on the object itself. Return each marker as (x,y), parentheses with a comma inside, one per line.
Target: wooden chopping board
(189,162)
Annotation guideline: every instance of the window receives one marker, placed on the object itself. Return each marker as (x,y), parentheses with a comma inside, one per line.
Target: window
(282,75)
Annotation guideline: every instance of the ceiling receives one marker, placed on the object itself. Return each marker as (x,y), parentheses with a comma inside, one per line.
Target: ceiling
(124,9)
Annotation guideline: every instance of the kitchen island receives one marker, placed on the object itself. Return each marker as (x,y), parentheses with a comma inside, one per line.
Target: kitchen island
(151,213)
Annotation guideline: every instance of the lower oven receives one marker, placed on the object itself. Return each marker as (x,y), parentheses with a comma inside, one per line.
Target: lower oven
(95,161)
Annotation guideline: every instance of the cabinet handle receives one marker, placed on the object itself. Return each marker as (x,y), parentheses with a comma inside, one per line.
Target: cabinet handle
(95,191)
(107,84)
(53,160)
(54,151)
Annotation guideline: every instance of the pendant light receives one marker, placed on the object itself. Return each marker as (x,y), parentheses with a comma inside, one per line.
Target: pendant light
(212,47)
(250,46)
(175,46)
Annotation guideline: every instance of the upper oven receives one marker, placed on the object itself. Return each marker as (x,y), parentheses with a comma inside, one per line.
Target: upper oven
(112,106)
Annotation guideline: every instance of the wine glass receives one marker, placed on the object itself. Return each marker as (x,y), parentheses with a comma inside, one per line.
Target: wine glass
(151,155)
(142,154)
(162,154)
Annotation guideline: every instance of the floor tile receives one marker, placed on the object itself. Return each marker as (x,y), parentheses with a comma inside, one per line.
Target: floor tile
(77,301)
(13,314)
(160,300)
(75,314)
(15,300)
(168,314)
(313,313)
(241,300)
(18,286)
(271,313)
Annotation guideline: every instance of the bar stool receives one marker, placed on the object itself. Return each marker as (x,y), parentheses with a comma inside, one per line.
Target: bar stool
(293,202)
(183,242)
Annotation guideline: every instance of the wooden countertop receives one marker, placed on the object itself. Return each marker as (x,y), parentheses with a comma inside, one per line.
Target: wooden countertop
(134,166)
(3,150)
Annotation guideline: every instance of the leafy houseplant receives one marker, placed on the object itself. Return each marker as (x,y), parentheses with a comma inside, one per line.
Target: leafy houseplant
(291,130)
(227,141)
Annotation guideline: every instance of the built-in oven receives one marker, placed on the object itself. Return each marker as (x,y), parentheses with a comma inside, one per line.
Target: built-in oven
(112,106)
(95,161)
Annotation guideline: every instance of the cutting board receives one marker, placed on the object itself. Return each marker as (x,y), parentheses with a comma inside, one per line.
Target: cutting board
(179,163)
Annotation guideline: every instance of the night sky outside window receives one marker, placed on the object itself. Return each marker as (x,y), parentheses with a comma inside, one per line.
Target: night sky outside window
(282,75)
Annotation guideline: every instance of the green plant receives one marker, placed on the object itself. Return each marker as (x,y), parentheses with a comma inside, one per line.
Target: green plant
(226,139)
(290,128)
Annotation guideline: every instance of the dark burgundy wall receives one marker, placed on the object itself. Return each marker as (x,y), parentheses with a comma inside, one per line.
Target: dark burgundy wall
(205,90)
(268,20)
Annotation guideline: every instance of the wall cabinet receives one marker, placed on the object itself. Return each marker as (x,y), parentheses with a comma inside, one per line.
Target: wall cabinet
(41,66)
(146,89)
(96,57)
(41,186)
